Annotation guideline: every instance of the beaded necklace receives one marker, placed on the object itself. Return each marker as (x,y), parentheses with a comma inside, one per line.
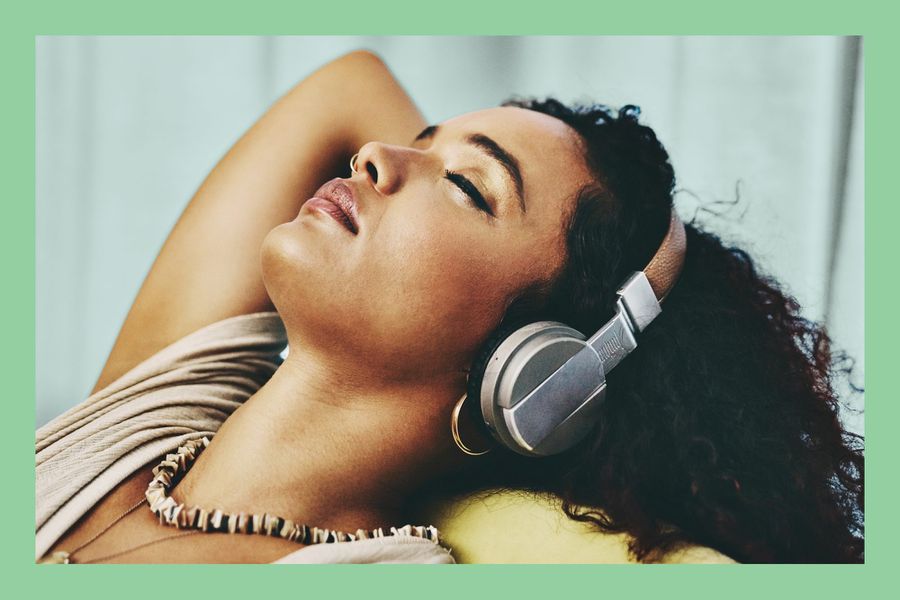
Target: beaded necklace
(170,471)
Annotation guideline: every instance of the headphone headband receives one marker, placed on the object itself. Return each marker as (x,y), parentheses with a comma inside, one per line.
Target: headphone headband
(664,268)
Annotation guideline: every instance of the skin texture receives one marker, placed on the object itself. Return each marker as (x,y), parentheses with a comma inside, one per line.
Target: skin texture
(382,325)
(429,275)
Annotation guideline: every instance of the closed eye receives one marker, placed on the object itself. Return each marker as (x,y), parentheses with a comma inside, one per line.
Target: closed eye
(470,190)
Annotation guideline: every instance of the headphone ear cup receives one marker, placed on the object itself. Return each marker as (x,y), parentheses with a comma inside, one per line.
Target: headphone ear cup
(479,366)
(513,363)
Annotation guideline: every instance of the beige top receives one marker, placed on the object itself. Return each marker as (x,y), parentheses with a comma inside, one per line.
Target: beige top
(183,392)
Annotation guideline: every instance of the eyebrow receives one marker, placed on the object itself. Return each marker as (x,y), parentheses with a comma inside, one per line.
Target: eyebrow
(492,149)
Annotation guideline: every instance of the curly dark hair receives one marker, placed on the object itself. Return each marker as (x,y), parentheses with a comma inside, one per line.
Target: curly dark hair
(722,429)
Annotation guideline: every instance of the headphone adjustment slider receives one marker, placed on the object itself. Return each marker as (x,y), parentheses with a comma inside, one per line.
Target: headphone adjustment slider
(637,296)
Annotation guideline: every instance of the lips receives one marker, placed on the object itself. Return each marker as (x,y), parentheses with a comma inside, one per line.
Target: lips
(340,195)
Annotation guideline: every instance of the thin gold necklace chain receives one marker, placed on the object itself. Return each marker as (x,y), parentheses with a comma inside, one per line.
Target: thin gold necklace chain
(108,527)
(67,557)
(139,546)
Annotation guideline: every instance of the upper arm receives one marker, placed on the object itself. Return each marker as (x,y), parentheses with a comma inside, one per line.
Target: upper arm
(208,268)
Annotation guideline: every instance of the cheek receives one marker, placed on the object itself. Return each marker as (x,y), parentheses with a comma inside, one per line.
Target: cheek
(422,290)
(441,278)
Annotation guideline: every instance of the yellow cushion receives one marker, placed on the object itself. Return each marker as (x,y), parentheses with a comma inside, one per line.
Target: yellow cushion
(501,526)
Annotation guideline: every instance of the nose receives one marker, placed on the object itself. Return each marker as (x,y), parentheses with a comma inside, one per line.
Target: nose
(385,166)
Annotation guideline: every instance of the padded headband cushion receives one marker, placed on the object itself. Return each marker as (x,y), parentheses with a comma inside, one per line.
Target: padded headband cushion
(665,266)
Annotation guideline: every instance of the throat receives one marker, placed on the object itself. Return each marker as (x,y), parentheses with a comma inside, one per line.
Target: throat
(342,455)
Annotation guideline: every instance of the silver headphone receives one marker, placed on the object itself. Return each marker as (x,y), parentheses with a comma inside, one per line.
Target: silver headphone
(540,387)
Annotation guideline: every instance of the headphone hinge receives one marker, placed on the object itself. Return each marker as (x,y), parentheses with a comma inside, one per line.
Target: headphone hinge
(636,307)
(639,301)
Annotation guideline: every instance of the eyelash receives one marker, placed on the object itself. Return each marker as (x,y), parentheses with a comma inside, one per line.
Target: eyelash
(469,189)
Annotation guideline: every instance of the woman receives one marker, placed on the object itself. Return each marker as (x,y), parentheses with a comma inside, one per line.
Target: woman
(449,238)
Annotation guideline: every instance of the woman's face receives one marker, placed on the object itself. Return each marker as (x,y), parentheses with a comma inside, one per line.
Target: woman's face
(430,273)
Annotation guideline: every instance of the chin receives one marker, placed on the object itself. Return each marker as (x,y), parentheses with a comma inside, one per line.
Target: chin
(302,280)
(284,262)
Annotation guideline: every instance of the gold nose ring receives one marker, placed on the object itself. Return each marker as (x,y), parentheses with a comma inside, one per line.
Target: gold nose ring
(353,162)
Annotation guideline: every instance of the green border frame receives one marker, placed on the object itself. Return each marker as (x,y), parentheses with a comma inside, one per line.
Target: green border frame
(874,20)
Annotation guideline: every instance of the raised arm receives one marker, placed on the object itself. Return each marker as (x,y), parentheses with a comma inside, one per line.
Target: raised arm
(208,268)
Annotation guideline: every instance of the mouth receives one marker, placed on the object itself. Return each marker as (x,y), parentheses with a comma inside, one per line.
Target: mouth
(337,199)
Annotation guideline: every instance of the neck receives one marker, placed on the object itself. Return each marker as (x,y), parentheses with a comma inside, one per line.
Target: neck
(328,447)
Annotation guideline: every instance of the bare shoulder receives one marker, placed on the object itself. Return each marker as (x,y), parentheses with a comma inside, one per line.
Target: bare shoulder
(696,555)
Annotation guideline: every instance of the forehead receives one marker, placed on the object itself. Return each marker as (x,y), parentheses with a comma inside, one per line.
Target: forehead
(534,134)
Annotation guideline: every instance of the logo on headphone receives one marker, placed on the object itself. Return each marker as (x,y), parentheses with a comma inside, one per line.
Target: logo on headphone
(611,346)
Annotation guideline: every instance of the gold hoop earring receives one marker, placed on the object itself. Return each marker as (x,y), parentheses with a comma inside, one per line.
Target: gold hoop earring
(454,429)
(353,163)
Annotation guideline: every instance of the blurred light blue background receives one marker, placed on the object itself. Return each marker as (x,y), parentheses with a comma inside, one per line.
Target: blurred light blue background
(128,127)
